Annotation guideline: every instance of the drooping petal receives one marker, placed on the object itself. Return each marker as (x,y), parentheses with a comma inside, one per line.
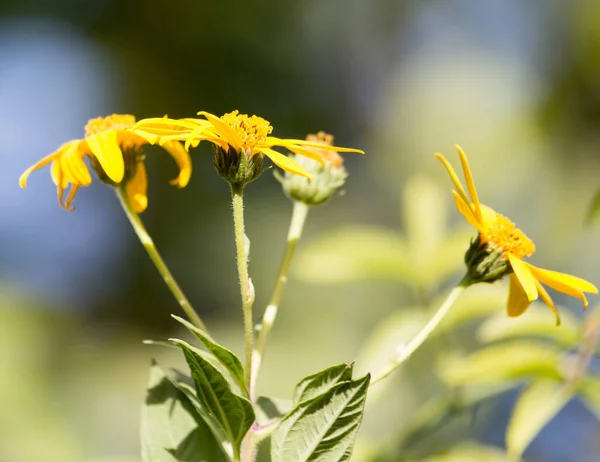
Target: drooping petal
(183,160)
(517,298)
(523,274)
(74,167)
(137,188)
(43,162)
(224,130)
(548,301)
(58,176)
(470,182)
(70,197)
(565,283)
(285,162)
(455,180)
(105,147)
(467,212)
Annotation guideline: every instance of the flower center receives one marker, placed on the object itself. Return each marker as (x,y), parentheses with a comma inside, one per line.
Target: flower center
(253,131)
(120,122)
(502,235)
(332,157)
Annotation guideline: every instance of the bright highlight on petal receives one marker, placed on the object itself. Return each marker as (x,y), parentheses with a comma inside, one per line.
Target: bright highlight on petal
(115,153)
(504,240)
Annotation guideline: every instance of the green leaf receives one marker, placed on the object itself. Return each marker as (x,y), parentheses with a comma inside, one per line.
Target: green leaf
(171,428)
(229,361)
(317,384)
(229,414)
(589,391)
(538,321)
(356,254)
(536,406)
(500,363)
(324,428)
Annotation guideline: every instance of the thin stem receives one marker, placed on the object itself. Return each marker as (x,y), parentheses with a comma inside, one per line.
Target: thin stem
(299,213)
(162,268)
(405,351)
(246,288)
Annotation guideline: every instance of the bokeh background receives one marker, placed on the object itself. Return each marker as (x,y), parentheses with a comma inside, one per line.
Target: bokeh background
(516,84)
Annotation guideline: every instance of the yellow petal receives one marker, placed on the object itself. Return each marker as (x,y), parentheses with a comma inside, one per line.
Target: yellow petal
(183,160)
(488,215)
(467,212)
(306,152)
(548,301)
(70,197)
(223,130)
(523,274)
(58,176)
(285,162)
(274,141)
(517,298)
(457,184)
(137,188)
(45,161)
(105,147)
(565,283)
(470,182)
(74,167)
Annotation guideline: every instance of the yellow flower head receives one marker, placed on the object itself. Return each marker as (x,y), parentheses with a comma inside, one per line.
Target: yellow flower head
(116,155)
(246,135)
(500,234)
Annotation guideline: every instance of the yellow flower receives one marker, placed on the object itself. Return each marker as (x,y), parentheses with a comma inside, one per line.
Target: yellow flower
(115,154)
(501,235)
(248,135)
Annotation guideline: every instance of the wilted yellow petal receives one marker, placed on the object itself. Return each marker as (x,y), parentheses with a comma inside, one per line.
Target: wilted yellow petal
(183,160)
(517,298)
(45,161)
(523,274)
(105,147)
(137,188)
(74,167)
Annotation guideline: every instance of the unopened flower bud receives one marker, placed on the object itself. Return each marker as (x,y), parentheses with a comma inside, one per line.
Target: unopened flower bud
(327,178)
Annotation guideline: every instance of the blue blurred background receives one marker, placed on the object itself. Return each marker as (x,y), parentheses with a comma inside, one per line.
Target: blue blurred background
(516,84)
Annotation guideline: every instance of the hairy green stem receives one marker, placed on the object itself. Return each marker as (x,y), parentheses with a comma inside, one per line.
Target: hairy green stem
(246,288)
(299,213)
(405,351)
(162,268)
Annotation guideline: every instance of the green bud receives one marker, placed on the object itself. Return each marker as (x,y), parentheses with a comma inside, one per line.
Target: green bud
(485,264)
(237,168)
(327,179)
